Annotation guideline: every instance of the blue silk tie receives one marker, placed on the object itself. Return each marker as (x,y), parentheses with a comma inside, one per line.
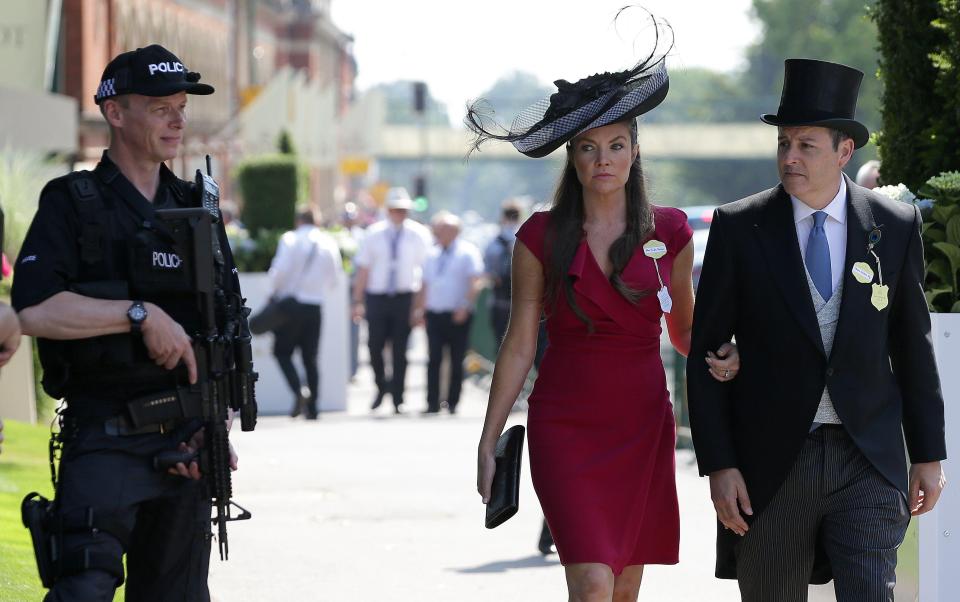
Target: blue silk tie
(818,257)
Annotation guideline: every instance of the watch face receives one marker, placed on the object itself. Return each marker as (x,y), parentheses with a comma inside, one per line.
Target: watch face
(137,313)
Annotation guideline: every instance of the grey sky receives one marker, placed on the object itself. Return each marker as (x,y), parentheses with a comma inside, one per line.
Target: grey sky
(461,47)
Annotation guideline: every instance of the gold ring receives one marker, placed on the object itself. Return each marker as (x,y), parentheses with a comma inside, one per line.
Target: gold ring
(726,374)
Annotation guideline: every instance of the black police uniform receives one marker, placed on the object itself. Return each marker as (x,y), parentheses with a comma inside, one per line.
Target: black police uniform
(110,499)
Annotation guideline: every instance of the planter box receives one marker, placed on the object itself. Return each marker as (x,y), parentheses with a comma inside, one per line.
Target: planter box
(940,529)
(18,399)
(273,395)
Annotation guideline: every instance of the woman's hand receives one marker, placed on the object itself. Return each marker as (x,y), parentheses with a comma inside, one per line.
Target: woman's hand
(486,464)
(725,363)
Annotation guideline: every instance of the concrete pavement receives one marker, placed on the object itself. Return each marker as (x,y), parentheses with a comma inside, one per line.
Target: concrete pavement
(363,506)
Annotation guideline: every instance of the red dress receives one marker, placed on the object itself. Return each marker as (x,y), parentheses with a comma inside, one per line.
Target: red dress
(600,425)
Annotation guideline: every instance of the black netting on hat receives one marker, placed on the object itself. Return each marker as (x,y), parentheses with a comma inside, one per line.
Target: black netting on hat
(591,102)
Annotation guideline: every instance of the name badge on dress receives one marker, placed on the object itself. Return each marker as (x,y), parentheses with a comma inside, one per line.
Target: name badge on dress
(654,249)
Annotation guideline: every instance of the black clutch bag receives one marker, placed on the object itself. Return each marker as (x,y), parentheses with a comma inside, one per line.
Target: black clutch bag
(505,492)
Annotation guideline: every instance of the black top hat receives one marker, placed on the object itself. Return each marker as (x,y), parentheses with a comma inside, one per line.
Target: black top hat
(821,94)
(150,71)
(589,103)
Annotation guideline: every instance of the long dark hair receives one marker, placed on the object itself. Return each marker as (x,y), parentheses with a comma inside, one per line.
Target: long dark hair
(565,231)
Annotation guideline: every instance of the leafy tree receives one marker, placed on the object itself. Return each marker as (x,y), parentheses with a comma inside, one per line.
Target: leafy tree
(944,153)
(920,67)
(514,92)
(838,31)
(702,96)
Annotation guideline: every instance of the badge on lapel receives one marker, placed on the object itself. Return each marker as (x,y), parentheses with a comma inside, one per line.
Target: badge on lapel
(863,273)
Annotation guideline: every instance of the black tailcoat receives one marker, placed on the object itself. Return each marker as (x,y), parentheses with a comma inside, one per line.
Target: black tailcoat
(880,373)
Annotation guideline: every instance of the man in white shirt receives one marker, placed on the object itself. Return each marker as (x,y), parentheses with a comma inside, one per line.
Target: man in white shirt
(451,282)
(389,266)
(306,267)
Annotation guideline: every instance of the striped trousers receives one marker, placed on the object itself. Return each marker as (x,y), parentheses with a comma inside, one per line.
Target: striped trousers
(834,499)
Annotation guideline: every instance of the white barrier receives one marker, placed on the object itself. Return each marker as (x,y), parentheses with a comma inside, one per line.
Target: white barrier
(940,528)
(273,395)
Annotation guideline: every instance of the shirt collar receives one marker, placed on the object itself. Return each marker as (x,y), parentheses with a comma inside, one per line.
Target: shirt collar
(108,172)
(837,208)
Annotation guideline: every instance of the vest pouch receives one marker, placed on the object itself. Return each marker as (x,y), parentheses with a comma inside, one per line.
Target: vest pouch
(159,266)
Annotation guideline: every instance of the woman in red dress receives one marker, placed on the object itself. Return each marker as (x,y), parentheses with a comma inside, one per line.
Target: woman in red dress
(605,265)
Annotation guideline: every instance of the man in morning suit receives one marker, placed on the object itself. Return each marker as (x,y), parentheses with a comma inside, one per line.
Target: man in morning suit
(821,283)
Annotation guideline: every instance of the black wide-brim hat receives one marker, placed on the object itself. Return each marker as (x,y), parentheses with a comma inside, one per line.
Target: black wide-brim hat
(150,71)
(589,103)
(818,93)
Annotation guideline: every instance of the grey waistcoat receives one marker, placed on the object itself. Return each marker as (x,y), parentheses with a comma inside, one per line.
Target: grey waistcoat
(828,312)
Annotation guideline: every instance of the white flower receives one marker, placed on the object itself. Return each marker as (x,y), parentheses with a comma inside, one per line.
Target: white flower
(897,193)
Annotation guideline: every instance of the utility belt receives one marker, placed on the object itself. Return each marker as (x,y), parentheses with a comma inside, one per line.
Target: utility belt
(156,412)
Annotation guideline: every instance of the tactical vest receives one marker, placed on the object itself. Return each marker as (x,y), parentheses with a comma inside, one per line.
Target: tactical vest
(154,271)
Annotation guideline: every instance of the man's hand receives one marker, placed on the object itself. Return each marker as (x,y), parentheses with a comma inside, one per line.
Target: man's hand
(193,446)
(728,491)
(417,317)
(926,484)
(725,363)
(357,312)
(166,341)
(9,333)
(461,315)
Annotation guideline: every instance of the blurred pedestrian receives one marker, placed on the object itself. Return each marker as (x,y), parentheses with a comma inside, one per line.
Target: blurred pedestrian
(605,265)
(9,323)
(868,175)
(350,220)
(306,268)
(9,333)
(452,278)
(497,258)
(389,272)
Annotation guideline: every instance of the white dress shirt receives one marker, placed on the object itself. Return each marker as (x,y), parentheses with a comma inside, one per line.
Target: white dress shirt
(448,275)
(835,226)
(376,254)
(292,276)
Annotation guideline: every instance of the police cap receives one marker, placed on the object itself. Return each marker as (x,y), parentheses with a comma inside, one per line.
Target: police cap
(150,71)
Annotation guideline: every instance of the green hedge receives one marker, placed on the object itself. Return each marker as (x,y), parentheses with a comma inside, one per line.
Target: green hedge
(269,185)
(944,152)
(920,69)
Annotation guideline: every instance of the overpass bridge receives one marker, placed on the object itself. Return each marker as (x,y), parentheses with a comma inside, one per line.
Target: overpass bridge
(657,141)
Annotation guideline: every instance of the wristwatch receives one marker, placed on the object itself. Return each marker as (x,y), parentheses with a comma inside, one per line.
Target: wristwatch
(136,314)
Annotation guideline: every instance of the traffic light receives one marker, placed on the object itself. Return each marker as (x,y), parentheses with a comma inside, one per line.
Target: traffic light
(419,97)
(420,202)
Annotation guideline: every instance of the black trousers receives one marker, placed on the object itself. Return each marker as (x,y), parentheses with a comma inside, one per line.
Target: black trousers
(301,331)
(161,521)
(388,318)
(833,497)
(443,333)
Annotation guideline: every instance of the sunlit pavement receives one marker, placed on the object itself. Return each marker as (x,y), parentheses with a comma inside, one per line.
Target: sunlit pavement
(365,506)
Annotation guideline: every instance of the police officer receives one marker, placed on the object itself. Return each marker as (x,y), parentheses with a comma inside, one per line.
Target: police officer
(101,286)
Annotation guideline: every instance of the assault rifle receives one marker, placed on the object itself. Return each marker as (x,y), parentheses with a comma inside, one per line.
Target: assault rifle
(225,376)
